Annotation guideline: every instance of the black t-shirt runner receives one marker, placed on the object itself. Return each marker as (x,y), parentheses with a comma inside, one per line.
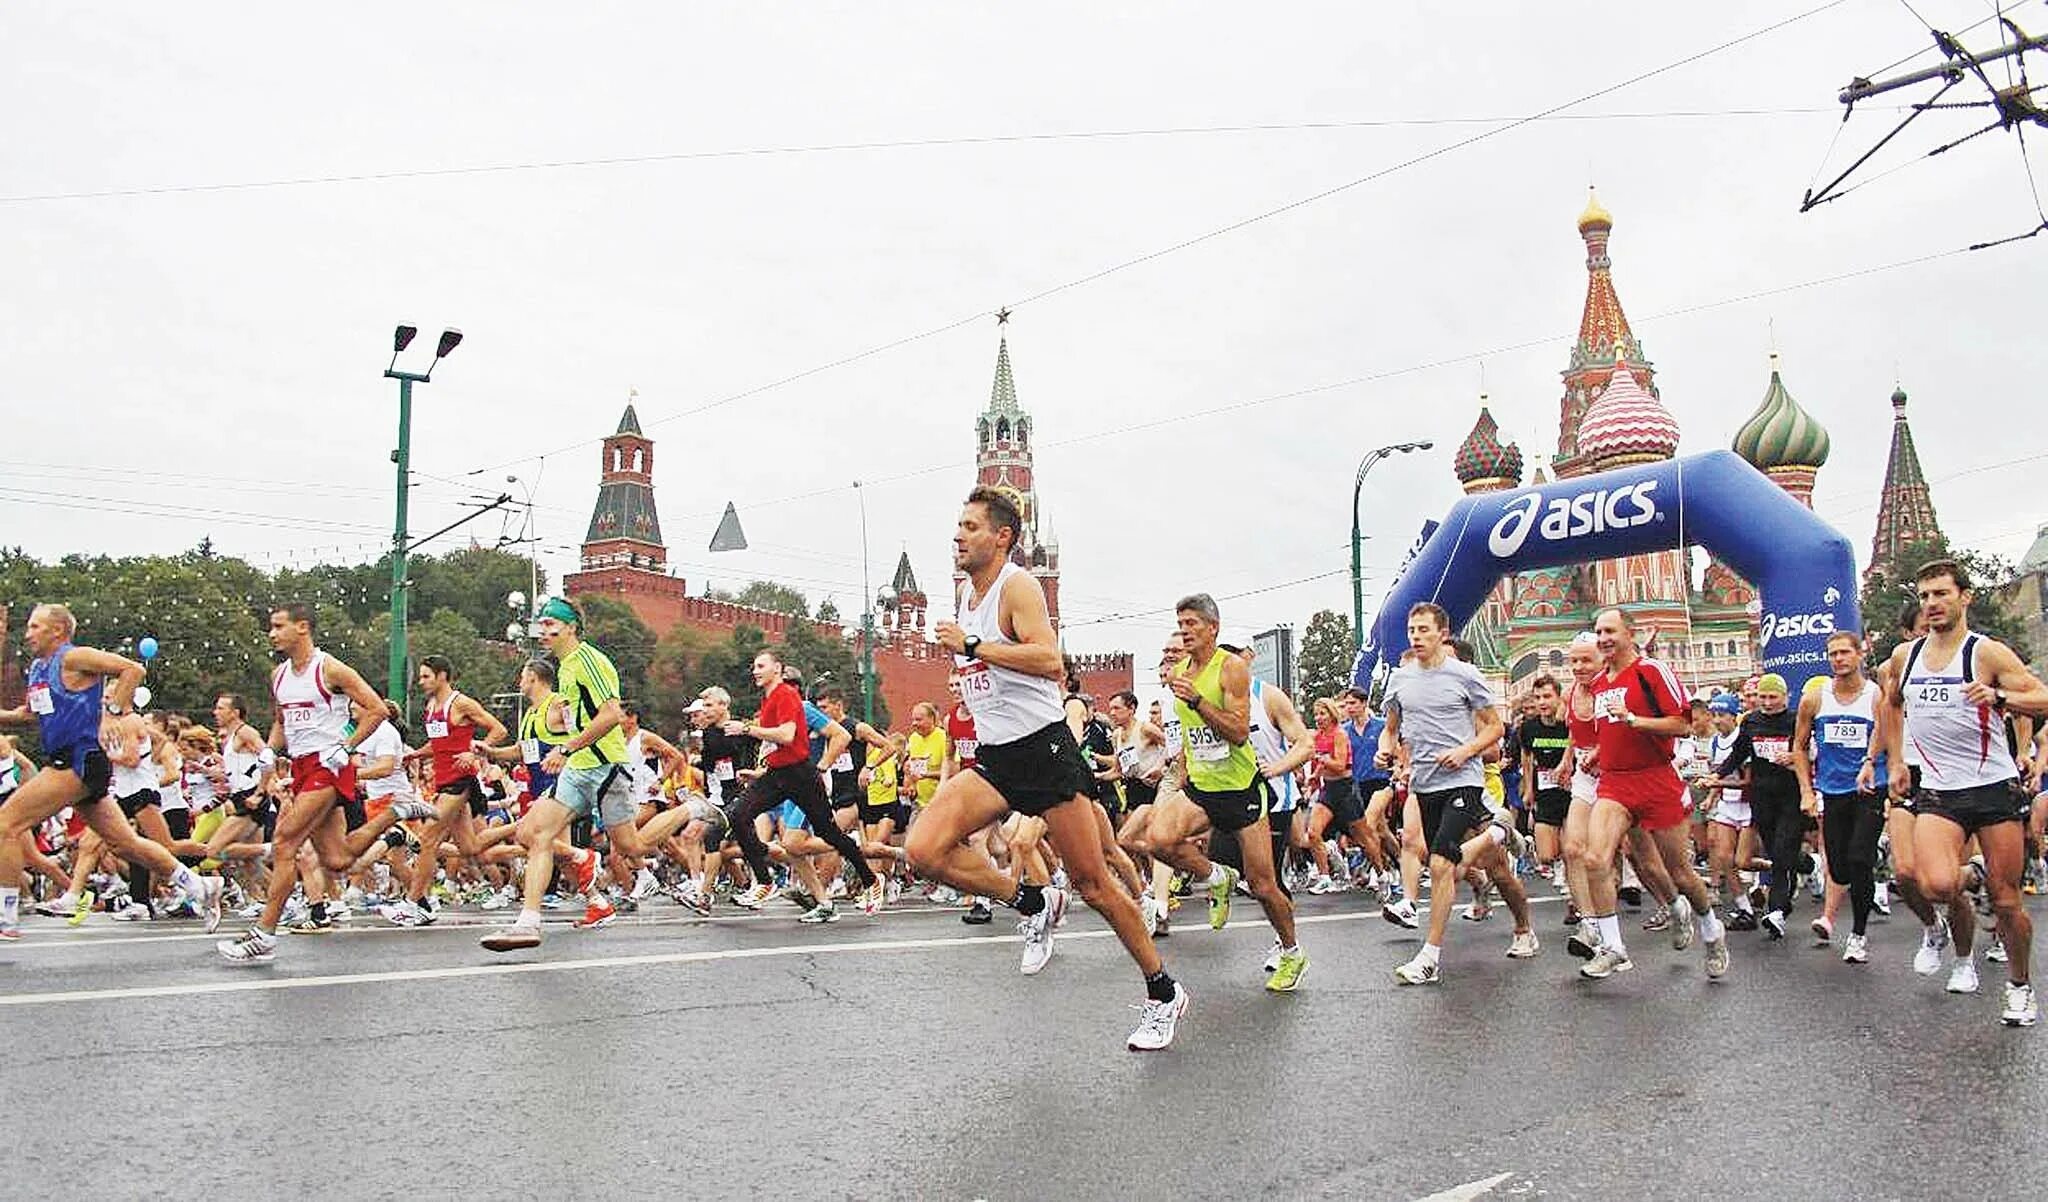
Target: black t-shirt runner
(725,756)
(1546,743)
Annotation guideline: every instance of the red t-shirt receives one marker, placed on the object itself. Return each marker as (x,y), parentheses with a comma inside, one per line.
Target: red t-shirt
(1622,748)
(783,704)
(960,733)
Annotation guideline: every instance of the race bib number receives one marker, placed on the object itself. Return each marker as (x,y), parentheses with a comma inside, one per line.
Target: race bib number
(39,700)
(1845,734)
(298,714)
(1936,692)
(1546,778)
(1771,749)
(965,748)
(843,764)
(976,684)
(1203,744)
(1609,698)
(529,750)
(437,728)
(724,770)
(1127,761)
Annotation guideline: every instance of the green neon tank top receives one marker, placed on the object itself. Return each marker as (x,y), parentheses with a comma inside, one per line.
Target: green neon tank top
(1214,765)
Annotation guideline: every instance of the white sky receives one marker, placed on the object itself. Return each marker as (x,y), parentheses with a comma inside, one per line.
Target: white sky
(219,351)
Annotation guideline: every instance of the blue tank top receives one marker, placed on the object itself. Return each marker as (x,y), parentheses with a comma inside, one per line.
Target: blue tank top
(1841,738)
(1365,744)
(65,720)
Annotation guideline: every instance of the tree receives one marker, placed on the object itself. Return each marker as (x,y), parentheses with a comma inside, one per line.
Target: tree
(617,631)
(828,611)
(1326,657)
(1887,590)
(674,675)
(775,598)
(730,666)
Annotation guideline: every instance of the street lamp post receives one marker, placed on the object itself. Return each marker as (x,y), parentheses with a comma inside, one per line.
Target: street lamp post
(400,339)
(1357,572)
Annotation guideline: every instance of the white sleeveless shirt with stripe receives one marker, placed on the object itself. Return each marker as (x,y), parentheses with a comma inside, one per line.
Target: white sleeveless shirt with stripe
(314,719)
(1007,705)
(1269,745)
(1957,743)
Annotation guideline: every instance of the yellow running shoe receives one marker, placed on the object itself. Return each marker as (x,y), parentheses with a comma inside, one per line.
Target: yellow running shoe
(1288,974)
(1219,898)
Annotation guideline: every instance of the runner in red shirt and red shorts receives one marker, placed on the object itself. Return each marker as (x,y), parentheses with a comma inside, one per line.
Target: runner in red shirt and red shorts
(1639,708)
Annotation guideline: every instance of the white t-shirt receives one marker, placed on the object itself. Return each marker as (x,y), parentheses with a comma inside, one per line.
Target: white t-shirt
(383,743)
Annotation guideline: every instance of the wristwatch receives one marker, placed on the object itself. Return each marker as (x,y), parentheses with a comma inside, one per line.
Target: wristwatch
(114,708)
(971,646)
(1998,699)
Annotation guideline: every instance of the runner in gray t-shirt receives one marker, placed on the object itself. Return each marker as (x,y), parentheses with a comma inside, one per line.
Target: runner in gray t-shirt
(1443,710)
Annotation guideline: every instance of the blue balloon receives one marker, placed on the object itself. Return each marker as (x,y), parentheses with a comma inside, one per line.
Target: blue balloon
(147,646)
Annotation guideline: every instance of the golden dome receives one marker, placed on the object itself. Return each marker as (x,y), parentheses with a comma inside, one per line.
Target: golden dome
(1596,215)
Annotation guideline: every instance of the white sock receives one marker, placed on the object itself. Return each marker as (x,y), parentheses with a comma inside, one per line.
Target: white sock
(185,880)
(1610,932)
(10,907)
(1429,953)
(1498,834)
(1710,925)
(1217,874)
(528,918)
(1742,902)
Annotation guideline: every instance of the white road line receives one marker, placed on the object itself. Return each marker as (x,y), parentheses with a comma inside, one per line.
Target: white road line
(244,983)
(1467,1191)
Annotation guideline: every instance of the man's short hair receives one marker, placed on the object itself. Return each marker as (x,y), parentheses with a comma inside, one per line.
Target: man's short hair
(1127,697)
(1936,568)
(1001,510)
(1437,613)
(60,614)
(632,709)
(1354,692)
(1463,650)
(771,653)
(1909,614)
(1850,635)
(717,694)
(830,692)
(1545,680)
(1202,605)
(439,665)
(298,611)
(235,702)
(542,670)
(1619,616)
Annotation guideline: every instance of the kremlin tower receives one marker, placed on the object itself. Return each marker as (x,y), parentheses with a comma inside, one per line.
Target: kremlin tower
(1905,511)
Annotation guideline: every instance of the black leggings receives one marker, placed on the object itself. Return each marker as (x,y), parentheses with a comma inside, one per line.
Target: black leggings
(798,783)
(1849,828)
(1781,825)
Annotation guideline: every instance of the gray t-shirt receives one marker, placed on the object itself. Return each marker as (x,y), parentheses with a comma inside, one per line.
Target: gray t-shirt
(1437,709)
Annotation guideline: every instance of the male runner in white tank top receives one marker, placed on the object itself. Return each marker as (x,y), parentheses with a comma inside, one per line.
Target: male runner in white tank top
(312,690)
(1950,692)
(1026,759)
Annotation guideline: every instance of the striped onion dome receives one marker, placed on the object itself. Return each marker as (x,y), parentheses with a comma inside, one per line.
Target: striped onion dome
(1780,433)
(1626,424)
(1484,460)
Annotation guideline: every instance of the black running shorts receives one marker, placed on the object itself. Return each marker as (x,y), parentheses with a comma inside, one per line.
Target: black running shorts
(1975,808)
(1449,816)
(1234,809)
(1037,772)
(1552,805)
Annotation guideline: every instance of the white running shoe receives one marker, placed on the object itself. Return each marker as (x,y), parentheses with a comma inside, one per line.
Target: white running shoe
(2020,1008)
(404,914)
(1605,963)
(1400,913)
(1682,923)
(1963,977)
(1933,941)
(823,912)
(1157,1021)
(1037,932)
(1523,946)
(1419,972)
(1857,951)
(1881,900)
(644,885)
(837,890)
(516,937)
(253,947)
(1148,910)
(1995,954)
(1823,930)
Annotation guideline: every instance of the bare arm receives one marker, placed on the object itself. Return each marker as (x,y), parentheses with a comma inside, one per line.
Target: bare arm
(351,685)
(122,675)
(1301,745)
(837,740)
(1232,721)
(2003,673)
(1036,651)
(494,730)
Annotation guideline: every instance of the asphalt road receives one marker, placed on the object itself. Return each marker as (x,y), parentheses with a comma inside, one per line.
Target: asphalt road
(904,1056)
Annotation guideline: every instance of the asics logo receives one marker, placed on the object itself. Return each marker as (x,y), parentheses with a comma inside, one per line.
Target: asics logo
(1571,517)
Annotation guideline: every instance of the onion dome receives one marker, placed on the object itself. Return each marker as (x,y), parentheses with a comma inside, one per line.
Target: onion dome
(1780,434)
(1626,425)
(1483,463)
(1596,216)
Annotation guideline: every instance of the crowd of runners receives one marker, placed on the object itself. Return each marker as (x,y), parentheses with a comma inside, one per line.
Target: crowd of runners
(1612,788)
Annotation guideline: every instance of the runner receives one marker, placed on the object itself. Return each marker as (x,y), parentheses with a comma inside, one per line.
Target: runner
(1641,709)
(588,767)
(1010,668)
(1840,719)
(1731,841)
(1546,739)
(312,691)
(1442,710)
(452,721)
(1764,745)
(1952,686)
(69,699)
(1371,785)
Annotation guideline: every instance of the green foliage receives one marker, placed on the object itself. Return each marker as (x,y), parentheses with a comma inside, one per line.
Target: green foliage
(617,631)
(730,664)
(1324,664)
(1887,590)
(828,611)
(768,595)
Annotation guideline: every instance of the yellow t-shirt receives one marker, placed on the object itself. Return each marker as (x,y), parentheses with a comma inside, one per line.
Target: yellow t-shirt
(882,781)
(929,753)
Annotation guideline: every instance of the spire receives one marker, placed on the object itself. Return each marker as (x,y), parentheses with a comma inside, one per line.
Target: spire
(629,421)
(1003,397)
(905,580)
(1604,339)
(1905,510)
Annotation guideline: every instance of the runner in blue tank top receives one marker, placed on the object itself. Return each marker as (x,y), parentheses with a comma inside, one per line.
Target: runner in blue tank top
(1839,721)
(67,698)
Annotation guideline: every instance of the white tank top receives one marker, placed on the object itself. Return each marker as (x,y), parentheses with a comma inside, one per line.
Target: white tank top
(1960,745)
(240,765)
(313,718)
(1007,705)
(1718,747)
(645,781)
(142,778)
(1269,746)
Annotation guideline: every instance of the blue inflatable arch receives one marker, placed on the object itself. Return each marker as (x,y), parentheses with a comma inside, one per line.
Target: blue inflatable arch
(1803,569)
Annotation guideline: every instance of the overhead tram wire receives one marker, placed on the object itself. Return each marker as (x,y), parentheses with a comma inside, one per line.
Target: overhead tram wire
(1172,131)
(1224,230)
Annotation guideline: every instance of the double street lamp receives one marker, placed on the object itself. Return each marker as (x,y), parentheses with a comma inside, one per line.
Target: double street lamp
(1357,574)
(400,339)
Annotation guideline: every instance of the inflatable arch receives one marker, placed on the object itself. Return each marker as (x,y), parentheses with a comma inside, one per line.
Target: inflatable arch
(1803,569)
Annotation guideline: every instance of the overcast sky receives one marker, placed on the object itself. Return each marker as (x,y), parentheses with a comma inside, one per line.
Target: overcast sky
(180,361)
